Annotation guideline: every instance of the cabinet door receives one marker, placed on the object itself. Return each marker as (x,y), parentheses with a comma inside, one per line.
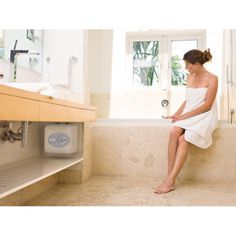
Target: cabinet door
(81,115)
(16,108)
(52,112)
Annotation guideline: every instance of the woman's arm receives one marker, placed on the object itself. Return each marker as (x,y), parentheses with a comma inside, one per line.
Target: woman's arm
(178,112)
(209,99)
(181,108)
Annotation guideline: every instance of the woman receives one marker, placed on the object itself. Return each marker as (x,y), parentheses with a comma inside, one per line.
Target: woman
(196,119)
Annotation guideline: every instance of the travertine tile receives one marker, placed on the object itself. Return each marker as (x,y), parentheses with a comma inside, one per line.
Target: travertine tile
(11,200)
(142,151)
(88,160)
(37,188)
(70,176)
(122,191)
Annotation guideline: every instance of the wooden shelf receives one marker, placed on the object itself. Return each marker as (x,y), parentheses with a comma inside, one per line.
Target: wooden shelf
(17,104)
(18,175)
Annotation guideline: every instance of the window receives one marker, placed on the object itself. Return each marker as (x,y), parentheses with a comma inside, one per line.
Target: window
(145,63)
(157,58)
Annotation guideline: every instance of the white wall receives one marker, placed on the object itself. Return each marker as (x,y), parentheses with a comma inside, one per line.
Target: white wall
(100,43)
(229,74)
(214,41)
(107,61)
(60,46)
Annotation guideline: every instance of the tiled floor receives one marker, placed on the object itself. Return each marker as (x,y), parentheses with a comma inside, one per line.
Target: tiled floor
(120,191)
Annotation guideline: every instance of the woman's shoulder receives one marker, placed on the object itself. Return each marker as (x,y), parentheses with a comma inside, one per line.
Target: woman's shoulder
(212,78)
(212,81)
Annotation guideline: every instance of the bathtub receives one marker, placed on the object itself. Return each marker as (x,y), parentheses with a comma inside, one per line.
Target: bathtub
(138,147)
(133,122)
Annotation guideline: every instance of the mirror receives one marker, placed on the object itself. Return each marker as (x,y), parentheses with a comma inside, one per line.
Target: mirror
(29,40)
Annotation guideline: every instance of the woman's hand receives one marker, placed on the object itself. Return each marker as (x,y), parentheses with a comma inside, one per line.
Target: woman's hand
(167,117)
(178,117)
(175,118)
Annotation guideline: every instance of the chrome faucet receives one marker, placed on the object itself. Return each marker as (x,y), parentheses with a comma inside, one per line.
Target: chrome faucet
(13,59)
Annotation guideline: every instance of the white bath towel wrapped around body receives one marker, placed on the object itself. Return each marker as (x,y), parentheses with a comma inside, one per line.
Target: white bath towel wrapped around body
(199,128)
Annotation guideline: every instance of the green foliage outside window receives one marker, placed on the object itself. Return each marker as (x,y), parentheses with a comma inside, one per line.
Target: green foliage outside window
(178,75)
(145,58)
(145,64)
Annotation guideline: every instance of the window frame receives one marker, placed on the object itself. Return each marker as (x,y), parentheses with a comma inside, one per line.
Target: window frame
(165,38)
(137,37)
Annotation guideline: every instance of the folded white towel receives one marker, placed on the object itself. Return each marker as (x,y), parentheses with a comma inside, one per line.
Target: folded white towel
(36,87)
(48,90)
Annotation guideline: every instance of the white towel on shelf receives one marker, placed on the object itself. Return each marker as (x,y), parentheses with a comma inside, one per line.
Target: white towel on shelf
(199,128)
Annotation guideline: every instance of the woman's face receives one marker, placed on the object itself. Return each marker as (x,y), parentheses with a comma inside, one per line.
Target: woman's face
(192,68)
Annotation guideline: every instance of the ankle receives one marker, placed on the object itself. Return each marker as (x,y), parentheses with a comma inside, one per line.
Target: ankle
(171,180)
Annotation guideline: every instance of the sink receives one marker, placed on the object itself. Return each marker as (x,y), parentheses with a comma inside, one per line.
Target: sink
(47,89)
(36,87)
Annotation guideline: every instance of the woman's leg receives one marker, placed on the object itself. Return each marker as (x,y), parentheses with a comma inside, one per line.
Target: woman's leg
(181,156)
(175,133)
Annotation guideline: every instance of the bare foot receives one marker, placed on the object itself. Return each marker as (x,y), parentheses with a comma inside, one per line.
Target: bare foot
(165,187)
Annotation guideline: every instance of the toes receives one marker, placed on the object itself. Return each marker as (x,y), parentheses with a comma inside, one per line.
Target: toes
(158,191)
(162,191)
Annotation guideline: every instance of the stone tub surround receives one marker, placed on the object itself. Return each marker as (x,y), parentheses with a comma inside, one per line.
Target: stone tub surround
(138,148)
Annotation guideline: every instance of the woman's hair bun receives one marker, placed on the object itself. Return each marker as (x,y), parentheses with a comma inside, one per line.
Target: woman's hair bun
(206,56)
(197,56)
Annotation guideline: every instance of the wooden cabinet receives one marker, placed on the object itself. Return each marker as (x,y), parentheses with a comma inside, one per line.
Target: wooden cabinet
(14,108)
(81,114)
(17,105)
(53,112)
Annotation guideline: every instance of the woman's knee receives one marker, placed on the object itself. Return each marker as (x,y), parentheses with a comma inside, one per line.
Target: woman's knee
(181,140)
(176,132)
